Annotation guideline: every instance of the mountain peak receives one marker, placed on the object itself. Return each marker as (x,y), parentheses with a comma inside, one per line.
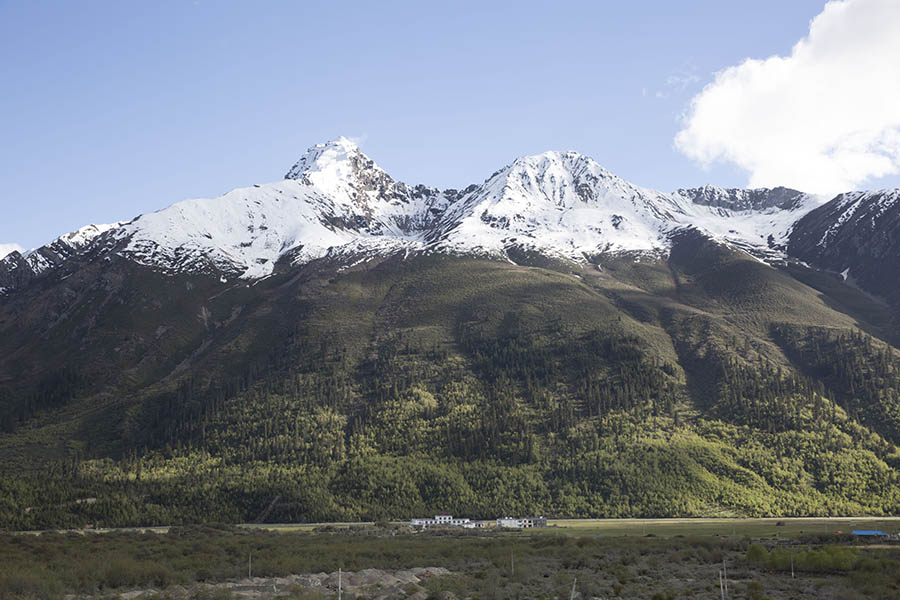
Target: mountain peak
(83,236)
(552,158)
(556,167)
(338,168)
(323,157)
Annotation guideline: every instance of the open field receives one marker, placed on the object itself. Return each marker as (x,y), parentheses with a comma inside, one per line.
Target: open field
(753,528)
(728,527)
(207,562)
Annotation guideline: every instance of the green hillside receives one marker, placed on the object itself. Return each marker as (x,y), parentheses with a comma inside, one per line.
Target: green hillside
(701,384)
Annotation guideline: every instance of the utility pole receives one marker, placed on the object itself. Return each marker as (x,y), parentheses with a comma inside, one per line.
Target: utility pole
(792,565)
(721,587)
(572,595)
(340,583)
(725,577)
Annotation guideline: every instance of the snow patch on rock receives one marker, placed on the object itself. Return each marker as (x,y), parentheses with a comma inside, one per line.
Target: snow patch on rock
(6,249)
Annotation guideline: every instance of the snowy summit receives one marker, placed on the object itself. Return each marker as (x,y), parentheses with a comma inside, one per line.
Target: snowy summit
(335,201)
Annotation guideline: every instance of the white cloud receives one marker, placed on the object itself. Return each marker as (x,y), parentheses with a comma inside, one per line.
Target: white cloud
(824,119)
(7,248)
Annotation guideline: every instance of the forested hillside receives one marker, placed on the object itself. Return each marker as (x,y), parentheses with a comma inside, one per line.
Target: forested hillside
(700,383)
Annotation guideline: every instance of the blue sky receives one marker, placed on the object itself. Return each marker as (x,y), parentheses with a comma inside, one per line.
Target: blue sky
(111,109)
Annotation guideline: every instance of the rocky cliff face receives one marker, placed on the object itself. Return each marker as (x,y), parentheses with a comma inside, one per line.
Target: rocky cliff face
(736,199)
(17,269)
(857,235)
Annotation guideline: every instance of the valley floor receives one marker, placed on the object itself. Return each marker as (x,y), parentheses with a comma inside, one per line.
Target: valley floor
(675,558)
(756,528)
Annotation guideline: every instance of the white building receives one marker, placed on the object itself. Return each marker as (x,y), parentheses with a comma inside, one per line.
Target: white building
(523,523)
(441,521)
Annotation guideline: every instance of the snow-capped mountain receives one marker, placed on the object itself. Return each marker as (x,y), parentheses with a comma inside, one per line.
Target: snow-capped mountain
(165,332)
(568,205)
(335,201)
(759,221)
(19,267)
(559,203)
(57,251)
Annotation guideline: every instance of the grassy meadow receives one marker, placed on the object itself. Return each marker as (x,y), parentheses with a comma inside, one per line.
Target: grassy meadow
(753,528)
(772,529)
(675,558)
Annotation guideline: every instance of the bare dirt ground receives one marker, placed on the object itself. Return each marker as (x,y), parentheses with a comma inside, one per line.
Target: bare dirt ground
(370,583)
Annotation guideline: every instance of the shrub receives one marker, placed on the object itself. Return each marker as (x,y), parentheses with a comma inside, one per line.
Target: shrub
(756,554)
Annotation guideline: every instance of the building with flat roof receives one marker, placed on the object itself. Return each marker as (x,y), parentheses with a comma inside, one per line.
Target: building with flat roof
(441,521)
(521,523)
